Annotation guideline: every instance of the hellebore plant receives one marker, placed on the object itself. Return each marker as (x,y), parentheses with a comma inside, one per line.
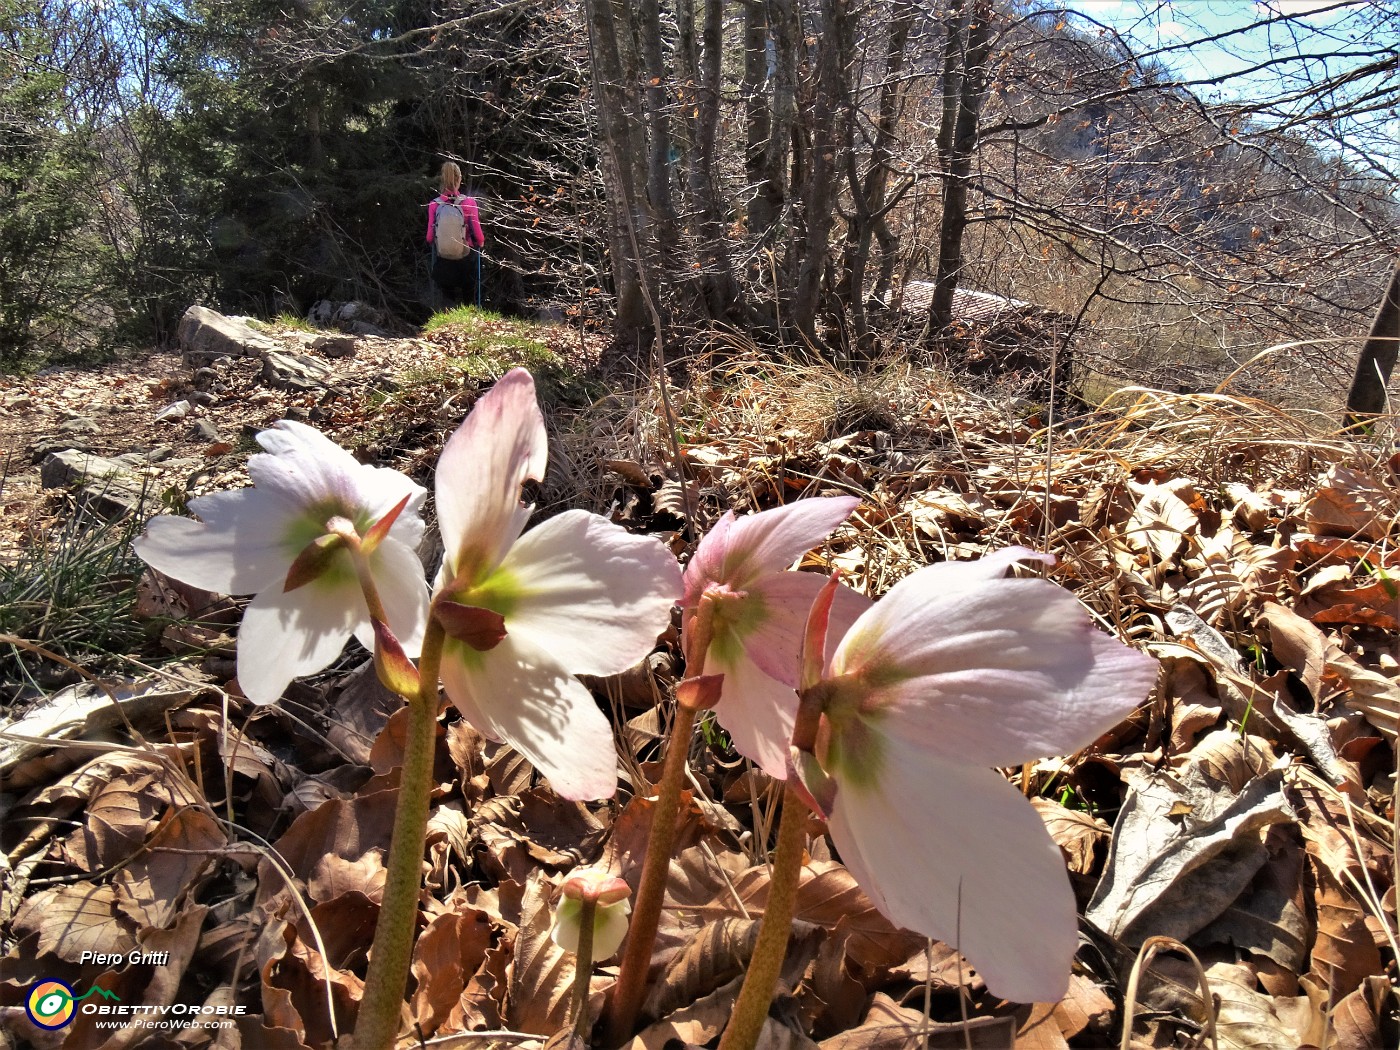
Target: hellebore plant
(321,537)
(742,618)
(955,670)
(884,718)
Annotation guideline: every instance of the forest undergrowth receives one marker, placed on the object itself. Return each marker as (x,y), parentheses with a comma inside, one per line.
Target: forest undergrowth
(1247,812)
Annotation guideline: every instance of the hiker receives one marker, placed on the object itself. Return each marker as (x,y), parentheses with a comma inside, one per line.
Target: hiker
(454,231)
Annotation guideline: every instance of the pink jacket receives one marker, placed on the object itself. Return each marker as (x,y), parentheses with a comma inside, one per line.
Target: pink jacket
(469,213)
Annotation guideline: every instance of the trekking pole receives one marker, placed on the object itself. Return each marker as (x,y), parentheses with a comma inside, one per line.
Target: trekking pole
(478,278)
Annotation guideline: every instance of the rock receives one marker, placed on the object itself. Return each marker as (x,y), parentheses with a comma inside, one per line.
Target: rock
(203,430)
(79,425)
(174,412)
(205,378)
(48,444)
(206,335)
(203,397)
(109,489)
(295,371)
(335,345)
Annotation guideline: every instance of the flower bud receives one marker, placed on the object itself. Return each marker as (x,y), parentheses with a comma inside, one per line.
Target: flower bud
(611,908)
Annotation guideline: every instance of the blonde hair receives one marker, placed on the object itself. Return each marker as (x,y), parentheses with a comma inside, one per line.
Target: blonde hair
(451,177)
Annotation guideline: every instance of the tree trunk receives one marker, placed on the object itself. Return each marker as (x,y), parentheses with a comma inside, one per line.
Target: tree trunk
(964,82)
(870,194)
(621,142)
(1367,397)
(830,115)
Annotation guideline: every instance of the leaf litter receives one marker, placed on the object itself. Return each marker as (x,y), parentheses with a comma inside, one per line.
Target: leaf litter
(1247,811)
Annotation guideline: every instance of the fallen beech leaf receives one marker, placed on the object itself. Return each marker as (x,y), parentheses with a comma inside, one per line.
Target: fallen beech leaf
(889,1026)
(1076,833)
(1170,874)
(1160,524)
(716,954)
(1344,952)
(151,987)
(447,954)
(1357,1019)
(75,918)
(1245,1018)
(318,842)
(1084,1007)
(542,974)
(1348,504)
(1039,1028)
(152,888)
(827,894)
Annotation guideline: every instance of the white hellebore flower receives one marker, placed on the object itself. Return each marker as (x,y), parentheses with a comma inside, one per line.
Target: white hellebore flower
(525,613)
(248,541)
(956,670)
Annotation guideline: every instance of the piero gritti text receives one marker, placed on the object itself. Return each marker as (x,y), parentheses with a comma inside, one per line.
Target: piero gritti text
(135,957)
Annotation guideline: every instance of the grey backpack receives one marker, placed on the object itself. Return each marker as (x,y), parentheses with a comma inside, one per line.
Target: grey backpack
(450,229)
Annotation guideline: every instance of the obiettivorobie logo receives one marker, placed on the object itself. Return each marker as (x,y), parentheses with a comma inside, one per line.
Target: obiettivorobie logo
(52,1004)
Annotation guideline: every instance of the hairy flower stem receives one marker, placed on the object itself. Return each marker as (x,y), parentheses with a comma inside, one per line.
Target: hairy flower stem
(631,984)
(756,995)
(583,966)
(378,1021)
(626,1001)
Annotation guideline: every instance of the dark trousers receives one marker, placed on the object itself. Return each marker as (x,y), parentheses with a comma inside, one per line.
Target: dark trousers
(456,278)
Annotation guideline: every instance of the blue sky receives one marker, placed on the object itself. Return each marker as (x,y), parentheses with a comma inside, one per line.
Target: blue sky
(1312,27)
(1307,43)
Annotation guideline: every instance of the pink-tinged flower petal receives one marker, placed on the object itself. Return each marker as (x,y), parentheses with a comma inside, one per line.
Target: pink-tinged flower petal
(398,576)
(590,593)
(499,446)
(521,695)
(236,549)
(288,634)
(737,550)
(996,673)
(786,598)
(757,711)
(956,853)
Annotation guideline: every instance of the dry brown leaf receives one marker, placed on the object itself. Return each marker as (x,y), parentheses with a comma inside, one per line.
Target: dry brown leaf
(152,888)
(75,918)
(1245,1018)
(542,974)
(1194,705)
(1085,1007)
(447,954)
(1348,504)
(1184,847)
(147,986)
(1160,524)
(1344,952)
(889,1026)
(1297,645)
(827,894)
(717,953)
(843,998)
(318,843)
(1039,1029)
(1357,1019)
(1254,510)
(1270,919)
(694,1025)
(1075,832)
